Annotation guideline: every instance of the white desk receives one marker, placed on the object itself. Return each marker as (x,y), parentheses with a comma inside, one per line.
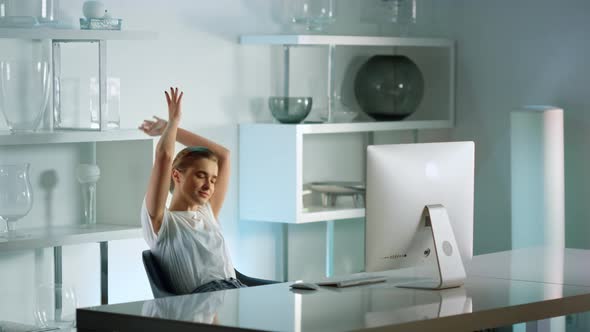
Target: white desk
(543,264)
(483,302)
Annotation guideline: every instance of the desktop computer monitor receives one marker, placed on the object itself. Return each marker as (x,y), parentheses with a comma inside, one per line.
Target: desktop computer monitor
(402,179)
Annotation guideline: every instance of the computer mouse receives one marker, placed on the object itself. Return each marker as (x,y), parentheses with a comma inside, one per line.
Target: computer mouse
(305,285)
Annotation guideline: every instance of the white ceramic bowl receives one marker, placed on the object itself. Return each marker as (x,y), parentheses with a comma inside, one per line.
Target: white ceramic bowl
(93,9)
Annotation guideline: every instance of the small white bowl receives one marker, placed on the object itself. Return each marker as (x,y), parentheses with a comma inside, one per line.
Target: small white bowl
(93,9)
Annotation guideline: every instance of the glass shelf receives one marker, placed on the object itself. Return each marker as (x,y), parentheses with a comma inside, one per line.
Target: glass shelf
(352,127)
(72,136)
(75,34)
(343,40)
(55,236)
(319,213)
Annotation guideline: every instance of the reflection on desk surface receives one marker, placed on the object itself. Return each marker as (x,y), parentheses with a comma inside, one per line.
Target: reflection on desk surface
(199,308)
(442,303)
(276,308)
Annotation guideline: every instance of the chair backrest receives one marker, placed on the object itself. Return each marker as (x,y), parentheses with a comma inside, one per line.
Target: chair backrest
(158,282)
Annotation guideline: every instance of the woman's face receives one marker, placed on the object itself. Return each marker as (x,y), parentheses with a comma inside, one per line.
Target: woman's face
(197,183)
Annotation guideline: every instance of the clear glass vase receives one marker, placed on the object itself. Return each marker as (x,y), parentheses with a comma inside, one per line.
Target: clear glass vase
(16,196)
(55,306)
(24,93)
(314,15)
(394,17)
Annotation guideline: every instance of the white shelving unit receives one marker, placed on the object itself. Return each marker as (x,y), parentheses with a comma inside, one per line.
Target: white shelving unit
(75,35)
(125,158)
(274,152)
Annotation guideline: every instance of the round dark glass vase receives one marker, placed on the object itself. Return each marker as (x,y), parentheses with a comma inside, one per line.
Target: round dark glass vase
(389,87)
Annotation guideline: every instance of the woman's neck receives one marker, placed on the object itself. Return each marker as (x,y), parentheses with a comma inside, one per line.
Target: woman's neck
(179,204)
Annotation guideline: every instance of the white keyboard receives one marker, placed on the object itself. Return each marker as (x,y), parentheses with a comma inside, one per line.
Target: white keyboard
(352,281)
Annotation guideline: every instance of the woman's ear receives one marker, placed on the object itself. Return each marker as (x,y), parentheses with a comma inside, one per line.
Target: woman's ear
(176,175)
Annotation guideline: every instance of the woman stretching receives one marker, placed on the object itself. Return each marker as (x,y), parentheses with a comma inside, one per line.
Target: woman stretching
(186,237)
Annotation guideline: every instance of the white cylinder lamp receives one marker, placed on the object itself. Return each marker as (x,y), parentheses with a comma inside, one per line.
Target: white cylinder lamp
(537,177)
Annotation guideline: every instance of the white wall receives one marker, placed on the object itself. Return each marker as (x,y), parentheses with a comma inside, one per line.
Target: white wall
(514,53)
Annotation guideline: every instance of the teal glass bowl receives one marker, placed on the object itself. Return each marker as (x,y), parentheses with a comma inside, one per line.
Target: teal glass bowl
(289,109)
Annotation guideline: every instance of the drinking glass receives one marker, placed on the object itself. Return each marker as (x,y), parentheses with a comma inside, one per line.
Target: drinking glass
(16,196)
(88,175)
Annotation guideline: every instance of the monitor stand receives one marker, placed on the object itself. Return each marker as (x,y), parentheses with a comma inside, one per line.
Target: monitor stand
(451,272)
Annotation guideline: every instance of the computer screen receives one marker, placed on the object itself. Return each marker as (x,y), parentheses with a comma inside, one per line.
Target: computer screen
(401,180)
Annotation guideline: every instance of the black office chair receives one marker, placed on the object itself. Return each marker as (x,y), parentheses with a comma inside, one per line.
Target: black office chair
(161,286)
(158,282)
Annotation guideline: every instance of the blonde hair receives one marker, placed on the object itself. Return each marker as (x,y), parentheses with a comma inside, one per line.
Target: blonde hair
(187,156)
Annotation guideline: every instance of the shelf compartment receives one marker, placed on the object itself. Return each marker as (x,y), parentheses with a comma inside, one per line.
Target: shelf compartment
(125,166)
(72,136)
(434,56)
(67,235)
(75,34)
(271,167)
(343,40)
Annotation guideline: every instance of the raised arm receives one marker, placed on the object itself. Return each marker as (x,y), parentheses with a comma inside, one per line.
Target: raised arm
(161,172)
(188,138)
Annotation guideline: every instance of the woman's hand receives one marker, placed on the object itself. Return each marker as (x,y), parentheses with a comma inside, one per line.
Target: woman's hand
(153,127)
(174,105)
